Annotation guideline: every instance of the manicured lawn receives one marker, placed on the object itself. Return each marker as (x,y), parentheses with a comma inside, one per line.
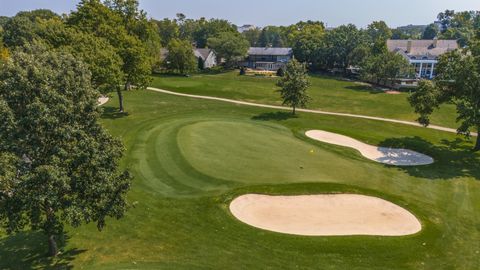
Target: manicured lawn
(328,93)
(191,157)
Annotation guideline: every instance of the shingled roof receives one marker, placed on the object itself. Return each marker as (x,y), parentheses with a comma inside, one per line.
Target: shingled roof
(203,53)
(269,51)
(422,49)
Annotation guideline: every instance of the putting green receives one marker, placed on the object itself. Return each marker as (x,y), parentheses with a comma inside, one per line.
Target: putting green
(251,152)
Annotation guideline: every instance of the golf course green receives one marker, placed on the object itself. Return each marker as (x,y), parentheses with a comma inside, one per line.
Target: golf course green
(190,158)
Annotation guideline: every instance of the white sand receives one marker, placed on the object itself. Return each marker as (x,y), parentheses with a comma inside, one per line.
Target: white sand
(102,101)
(325,215)
(391,156)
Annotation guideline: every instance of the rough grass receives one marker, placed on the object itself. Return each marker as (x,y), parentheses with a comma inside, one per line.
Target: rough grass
(328,93)
(190,158)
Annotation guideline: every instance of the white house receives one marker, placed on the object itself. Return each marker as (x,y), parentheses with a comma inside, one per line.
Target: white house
(422,54)
(208,56)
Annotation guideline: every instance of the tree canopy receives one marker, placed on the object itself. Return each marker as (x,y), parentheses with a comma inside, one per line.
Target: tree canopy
(180,58)
(230,46)
(457,82)
(59,166)
(294,85)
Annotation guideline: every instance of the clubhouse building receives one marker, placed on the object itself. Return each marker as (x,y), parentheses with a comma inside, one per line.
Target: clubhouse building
(422,54)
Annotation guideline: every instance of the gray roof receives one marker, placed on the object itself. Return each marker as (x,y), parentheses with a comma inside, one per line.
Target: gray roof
(203,53)
(422,49)
(269,51)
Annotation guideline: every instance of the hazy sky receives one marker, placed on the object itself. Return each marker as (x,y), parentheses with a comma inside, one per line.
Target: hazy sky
(278,12)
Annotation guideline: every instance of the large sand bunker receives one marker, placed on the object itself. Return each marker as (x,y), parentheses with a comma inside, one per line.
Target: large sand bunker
(391,156)
(325,215)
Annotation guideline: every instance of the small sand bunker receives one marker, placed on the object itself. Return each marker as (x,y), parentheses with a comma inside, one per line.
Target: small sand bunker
(325,215)
(393,92)
(391,156)
(102,101)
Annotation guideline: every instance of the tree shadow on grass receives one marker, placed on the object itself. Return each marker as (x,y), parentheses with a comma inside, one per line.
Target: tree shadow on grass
(365,88)
(277,116)
(453,158)
(28,250)
(112,113)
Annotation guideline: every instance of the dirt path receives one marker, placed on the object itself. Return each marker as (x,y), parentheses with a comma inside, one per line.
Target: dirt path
(305,110)
(325,215)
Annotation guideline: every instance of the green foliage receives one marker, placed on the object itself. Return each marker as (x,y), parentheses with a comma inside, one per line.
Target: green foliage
(379,33)
(229,46)
(459,25)
(4,53)
(65,163)
(168,30)
(425,100)
(458,82)
(294,85)
(253,35)
(280,72)
(340,46)
(271,36)
(307,41)
(181,58)
(430,32)
(408,32)
(126,29)
(385,67)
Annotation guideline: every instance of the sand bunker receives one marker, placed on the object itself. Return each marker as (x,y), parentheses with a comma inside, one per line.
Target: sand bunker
(391,156)
(102,101)
(325,215)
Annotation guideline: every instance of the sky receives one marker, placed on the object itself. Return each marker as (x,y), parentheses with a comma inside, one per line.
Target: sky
(277,12)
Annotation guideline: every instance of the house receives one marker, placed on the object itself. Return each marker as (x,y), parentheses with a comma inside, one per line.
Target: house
(422,54)
(271,59)
(208,57)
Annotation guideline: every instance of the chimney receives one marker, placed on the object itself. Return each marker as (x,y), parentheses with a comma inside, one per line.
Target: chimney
(435,42)
(409,46)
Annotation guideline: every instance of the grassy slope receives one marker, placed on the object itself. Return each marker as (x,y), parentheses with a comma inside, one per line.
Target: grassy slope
(327,93)
(181,220)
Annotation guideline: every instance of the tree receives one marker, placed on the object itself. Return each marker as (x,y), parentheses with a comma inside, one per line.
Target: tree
(59,166)
(271,36)
(180,57)
(385,67)
(457,82)
(379,33)
(339,47)
(4,53)
(307,41)
(168,30)
(252,35)
(430,32)
(126,29)
(294,85)
(229,46)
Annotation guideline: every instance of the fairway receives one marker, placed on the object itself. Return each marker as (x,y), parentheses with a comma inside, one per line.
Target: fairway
(190,158)
(327,93)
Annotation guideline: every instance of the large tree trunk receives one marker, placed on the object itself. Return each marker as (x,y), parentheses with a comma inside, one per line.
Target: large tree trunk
(52,246)
(293,112)
(477,144)
(120,99)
